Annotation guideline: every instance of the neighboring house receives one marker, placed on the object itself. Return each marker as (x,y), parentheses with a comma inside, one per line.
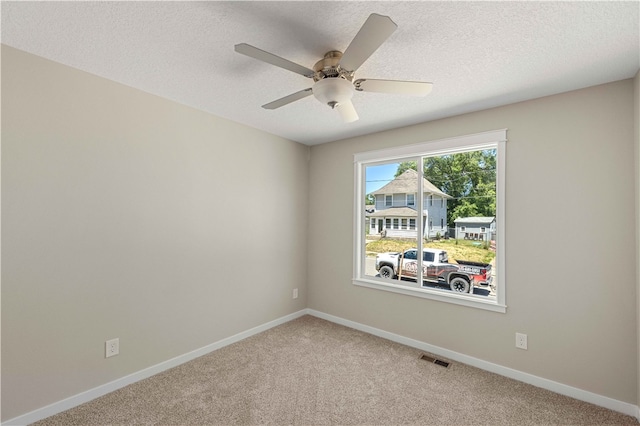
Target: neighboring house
(475,228)
(396,211)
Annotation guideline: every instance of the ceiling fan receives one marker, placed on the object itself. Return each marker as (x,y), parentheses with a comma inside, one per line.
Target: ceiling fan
(333,75)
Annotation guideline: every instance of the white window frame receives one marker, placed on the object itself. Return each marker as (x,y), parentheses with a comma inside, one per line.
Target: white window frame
(385,201)
(495,139)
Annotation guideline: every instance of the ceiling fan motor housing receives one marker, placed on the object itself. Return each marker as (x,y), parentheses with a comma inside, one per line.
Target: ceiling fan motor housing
(329,67)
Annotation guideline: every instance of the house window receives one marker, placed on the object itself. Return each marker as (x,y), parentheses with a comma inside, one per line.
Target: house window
(467,171)
(463,228)
(404,223)
(388,200)
(411,199)
(387,223)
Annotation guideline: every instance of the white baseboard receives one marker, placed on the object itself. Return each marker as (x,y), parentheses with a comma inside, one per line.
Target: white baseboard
(81,398)
(582,395)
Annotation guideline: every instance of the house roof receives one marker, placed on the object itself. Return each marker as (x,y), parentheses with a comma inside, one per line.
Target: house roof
(477,219)
(407,183)
(395,212)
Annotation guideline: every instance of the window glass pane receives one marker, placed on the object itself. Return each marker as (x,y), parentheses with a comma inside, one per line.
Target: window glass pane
(467,180)
(391,245)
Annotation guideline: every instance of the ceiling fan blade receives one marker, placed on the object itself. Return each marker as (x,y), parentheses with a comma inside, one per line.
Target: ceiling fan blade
(374,32)
(288,99)
(270,58)
(413,88)
(347,111)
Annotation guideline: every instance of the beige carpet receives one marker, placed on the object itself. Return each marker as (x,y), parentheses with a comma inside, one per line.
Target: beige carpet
(313,372)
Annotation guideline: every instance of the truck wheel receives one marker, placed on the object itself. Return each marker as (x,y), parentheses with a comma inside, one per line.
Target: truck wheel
(460,285)
(386,272)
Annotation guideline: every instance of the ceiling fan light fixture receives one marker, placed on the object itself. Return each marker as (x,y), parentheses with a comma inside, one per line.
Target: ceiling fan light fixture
(333,91)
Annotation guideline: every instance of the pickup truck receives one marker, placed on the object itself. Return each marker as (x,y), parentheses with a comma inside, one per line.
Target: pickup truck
(460,277)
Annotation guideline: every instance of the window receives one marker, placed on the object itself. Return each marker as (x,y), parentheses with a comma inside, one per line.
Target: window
(411,255)
(473,186)
(388,200)
(411,200)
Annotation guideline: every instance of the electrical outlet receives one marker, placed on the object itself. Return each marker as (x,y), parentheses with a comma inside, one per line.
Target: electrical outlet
(111,348)
(521,341)
(295,293)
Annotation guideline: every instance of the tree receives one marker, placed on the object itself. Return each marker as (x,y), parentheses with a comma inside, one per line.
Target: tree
(369,200)
(469,177)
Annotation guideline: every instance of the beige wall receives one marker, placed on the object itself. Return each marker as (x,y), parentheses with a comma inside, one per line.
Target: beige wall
(571,280)
(126,215)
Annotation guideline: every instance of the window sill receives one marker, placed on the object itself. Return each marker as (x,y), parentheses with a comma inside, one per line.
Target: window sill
(439,295)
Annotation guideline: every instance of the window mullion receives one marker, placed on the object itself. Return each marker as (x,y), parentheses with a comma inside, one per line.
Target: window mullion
(419,210)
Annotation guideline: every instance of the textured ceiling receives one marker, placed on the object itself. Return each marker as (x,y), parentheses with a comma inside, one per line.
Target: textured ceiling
(477,54)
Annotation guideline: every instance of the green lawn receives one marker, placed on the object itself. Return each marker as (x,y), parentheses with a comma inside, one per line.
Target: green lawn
(456,249)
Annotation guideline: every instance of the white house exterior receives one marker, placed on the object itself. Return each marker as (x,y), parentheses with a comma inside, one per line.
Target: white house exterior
(475,228)
(396,212)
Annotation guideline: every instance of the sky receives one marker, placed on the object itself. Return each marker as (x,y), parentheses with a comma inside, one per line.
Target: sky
(379,176)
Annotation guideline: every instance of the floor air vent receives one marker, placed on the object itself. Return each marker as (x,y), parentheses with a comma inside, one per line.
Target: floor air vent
(436,361)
